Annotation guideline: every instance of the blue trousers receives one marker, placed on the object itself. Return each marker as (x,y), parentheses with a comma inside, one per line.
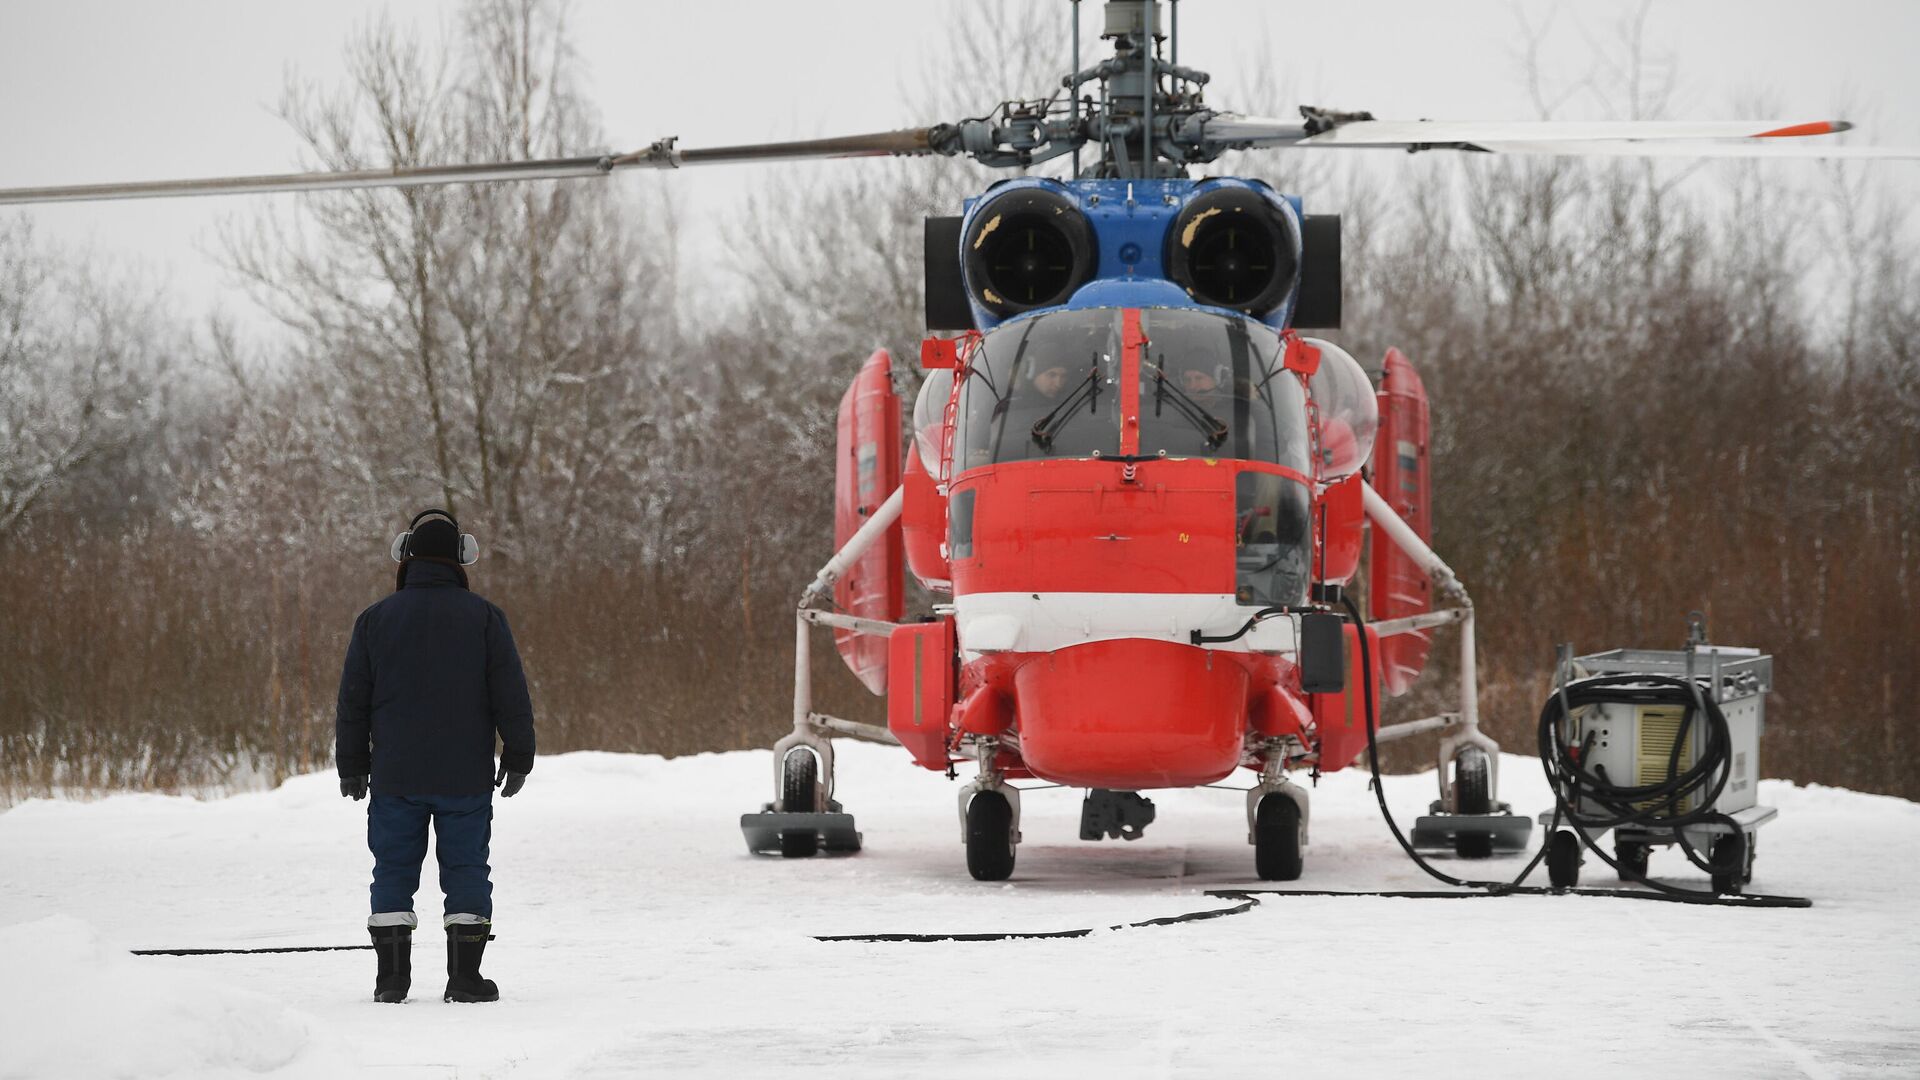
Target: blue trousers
(397,834)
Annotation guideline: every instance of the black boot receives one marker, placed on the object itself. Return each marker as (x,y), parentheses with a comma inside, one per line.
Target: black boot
(394,946)
(466,943)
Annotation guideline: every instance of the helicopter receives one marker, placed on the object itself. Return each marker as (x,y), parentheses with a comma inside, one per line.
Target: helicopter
(1143,488)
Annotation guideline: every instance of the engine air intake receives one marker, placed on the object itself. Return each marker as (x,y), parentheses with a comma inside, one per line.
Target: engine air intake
(1233,247)
(1028,248)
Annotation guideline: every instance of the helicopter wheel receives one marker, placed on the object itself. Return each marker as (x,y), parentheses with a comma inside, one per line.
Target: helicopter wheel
(990,837)
(1276,839)
(797,786)
(1472,794)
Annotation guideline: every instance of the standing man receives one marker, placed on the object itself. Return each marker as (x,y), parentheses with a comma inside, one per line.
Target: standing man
(431,675)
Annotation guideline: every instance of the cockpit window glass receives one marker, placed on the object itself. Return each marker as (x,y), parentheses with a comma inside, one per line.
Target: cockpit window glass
(929,413)
(1213,386)
(1043,387)
(1272,553)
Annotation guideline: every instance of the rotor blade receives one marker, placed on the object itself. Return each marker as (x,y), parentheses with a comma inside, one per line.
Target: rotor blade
(417,176)
(1746,148)
(907,141)
(1405,133)
(661,155)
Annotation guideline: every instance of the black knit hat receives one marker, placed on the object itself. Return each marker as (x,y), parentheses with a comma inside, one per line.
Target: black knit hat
(435,538)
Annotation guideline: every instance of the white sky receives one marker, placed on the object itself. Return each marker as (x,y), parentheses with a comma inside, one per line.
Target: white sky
(92,90)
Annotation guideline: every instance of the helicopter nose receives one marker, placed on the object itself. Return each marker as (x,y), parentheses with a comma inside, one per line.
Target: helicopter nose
(1131,713)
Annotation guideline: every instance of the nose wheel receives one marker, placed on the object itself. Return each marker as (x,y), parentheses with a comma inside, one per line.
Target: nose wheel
(1276,839)
(989,817)
(989,835)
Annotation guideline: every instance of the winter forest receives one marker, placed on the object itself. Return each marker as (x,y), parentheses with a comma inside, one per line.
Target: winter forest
(1656,389)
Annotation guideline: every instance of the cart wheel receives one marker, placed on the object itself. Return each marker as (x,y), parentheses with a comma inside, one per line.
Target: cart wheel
(1472,794)
(1276,839)
(796,797)
(1731,850)
(1632,858)
(990,837)
(1563,859)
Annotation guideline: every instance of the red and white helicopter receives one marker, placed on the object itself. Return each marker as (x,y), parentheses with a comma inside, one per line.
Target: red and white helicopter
(1143,487)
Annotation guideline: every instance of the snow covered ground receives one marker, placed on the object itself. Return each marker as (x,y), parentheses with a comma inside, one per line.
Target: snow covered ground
(637,936)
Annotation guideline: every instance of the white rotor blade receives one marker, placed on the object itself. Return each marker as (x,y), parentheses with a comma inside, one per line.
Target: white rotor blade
(1745,148)
(1405,133)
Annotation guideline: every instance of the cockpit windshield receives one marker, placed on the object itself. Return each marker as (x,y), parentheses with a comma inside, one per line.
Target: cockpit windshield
(1044,387)
(1210,386)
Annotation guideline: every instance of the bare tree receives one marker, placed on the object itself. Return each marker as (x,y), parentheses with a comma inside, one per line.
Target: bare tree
(490,348)
(82,354)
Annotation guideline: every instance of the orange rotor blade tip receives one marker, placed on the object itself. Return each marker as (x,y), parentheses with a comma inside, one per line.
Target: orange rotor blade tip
(1817,127)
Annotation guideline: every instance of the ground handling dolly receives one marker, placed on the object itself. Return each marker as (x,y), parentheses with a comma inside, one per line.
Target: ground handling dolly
(1660,747)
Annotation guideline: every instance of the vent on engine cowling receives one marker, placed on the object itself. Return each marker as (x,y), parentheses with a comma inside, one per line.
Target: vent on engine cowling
(1234,247)
(1028,248)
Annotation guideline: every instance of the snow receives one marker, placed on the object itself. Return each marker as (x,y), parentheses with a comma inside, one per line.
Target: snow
(635,934)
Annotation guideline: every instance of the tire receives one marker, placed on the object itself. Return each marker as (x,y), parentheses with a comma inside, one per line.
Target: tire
(1276,839)
(1472,794)
(1563,859)
(990,837)
(797,786)
(1633,859)
(1731,850)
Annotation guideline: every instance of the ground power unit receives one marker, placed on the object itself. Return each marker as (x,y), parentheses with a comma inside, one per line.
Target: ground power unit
(1660,747)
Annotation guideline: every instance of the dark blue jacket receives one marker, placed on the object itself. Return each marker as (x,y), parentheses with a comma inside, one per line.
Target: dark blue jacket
(431,675)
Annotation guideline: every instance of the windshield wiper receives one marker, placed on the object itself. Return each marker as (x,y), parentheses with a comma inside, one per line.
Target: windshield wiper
(1045,428)
(1210,425)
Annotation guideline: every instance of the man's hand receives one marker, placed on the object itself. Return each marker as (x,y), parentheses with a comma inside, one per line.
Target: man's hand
(509,783)
(353,787)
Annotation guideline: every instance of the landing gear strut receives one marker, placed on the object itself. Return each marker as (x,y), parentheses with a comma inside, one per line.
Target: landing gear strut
(1277,821)
(989,817)
(803,819)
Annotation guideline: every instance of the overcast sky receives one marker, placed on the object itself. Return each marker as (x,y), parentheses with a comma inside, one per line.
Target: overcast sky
(94,91)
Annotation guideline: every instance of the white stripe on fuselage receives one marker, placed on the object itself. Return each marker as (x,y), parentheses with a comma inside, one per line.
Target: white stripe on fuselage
(1044,622)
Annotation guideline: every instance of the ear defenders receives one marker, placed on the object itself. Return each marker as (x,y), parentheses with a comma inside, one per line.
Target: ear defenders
(469,547)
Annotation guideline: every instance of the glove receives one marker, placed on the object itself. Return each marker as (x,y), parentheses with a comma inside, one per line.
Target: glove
(513,782)
(353,787)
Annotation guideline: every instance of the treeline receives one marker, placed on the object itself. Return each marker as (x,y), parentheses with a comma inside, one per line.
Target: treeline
(1640,408)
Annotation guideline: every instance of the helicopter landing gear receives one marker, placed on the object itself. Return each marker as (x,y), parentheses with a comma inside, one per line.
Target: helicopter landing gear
(1277,823)
(989,818)
(1467,818)
(803,820)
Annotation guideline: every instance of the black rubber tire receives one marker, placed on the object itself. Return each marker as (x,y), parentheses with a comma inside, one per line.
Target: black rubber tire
(1472,794)
(990,837)
(1563,859)
(1731,849)
(1276,839)
(1633,859)
(797,786)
